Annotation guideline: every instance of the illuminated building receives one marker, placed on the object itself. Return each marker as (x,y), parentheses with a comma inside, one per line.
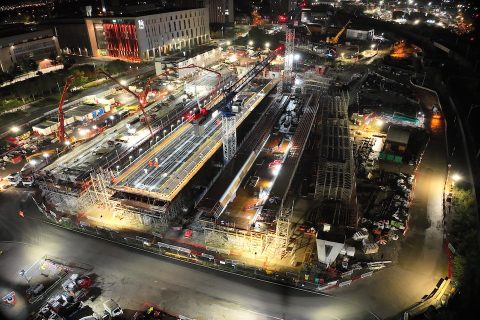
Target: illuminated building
(220,11)
(147,36)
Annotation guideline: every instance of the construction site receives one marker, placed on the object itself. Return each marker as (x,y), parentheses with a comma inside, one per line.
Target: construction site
(222,158)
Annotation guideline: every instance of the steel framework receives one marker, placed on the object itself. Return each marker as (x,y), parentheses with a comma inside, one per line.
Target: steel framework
(335,177)
(289,53)
(229,136)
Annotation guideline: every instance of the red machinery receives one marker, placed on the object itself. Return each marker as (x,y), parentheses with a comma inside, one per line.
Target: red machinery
(142,98)
(61,114)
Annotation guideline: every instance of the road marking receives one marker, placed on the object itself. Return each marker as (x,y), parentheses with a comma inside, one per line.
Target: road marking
(262,314)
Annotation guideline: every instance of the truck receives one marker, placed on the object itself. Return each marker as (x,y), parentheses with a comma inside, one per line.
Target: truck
(28,181)
(14,179)
(112,309)
(238,104)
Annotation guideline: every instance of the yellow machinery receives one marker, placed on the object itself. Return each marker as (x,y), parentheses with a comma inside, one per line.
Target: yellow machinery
(40,154)
(334,40)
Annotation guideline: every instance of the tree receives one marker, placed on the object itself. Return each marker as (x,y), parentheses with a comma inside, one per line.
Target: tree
(463,233)
(28,65)
(116,66)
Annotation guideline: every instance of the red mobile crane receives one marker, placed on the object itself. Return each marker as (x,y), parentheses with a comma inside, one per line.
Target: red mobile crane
(68,82)
(142,98)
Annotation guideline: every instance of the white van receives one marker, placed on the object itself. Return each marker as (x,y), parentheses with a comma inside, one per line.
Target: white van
(112,308)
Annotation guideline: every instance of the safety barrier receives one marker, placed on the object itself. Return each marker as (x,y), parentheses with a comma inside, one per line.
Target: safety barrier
(207,259)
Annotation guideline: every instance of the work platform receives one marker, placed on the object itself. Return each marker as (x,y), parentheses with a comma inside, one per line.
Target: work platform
(217,197)
(165,169)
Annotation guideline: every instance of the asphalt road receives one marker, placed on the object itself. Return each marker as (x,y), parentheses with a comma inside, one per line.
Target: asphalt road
(134,278)
(421,259)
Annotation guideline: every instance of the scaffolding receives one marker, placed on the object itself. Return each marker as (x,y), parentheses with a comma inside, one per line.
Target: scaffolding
(228,240)
(335,170)
(99,193)
(229,137)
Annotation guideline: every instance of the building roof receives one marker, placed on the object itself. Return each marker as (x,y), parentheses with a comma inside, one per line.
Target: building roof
(398,135)
(45,124)
(140,13)
(18,33)
(82,110)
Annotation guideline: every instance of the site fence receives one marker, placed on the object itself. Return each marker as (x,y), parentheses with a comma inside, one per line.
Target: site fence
(308,280)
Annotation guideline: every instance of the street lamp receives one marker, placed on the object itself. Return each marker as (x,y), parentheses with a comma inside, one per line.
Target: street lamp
(372,46)
(250,43)
(267,45)
(456,177)
(123,82)
(67,143)
(15,129)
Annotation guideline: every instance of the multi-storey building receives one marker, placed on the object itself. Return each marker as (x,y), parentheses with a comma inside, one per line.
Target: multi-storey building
(220,11)
(19,43)
(147,36)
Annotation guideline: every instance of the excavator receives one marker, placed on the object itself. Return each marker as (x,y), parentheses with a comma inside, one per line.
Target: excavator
(334,40)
